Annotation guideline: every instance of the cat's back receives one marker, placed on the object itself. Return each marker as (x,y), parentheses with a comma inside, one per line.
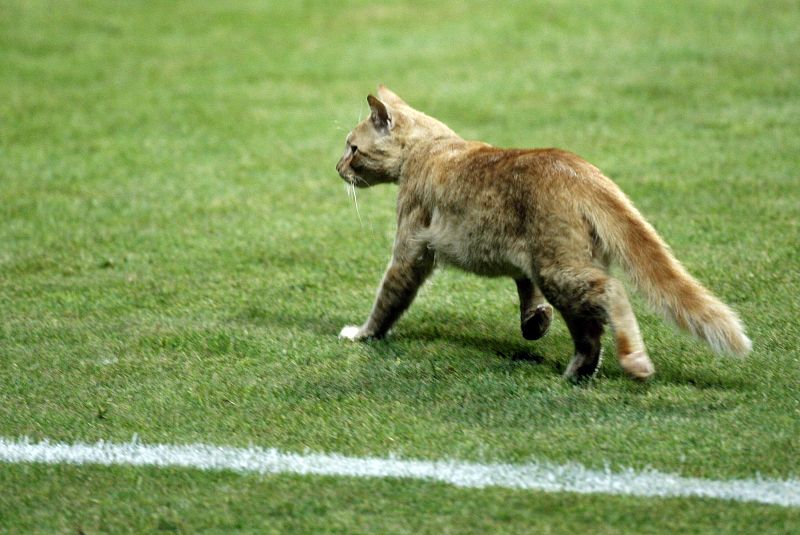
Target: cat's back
(485,162)
(476,171)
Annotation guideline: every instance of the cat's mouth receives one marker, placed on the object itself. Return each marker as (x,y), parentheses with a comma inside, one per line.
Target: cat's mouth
(341,168)
(348,177)
(346,172)
(355,180)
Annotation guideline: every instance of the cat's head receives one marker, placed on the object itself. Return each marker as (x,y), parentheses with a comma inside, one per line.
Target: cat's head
(377,147)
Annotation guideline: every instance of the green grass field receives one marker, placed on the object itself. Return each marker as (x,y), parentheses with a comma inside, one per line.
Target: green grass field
(178,254)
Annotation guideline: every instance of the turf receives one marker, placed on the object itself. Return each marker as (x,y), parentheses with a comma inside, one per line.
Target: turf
(177,253)
(119,500)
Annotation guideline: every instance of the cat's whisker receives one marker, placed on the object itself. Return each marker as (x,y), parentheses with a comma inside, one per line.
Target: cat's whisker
(355,201)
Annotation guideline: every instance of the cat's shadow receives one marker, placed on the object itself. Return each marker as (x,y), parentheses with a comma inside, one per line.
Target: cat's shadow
(329,323)
(542,353)
(521,353)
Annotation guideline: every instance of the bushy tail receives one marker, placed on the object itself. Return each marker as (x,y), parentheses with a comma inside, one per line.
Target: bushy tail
(657,274)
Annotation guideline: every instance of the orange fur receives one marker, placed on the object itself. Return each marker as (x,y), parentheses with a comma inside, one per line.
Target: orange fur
(545,217)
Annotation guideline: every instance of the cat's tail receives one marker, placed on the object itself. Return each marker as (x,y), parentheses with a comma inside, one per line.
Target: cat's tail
(658,275)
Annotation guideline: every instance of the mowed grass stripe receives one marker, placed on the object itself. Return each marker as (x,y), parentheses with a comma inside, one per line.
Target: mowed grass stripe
(546,477)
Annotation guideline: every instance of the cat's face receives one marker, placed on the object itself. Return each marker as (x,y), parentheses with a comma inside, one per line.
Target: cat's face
(373,150)
(376,149)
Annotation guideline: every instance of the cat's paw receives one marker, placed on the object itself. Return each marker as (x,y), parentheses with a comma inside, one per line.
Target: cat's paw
(583,368)
(638,365)
(352,332)
(535,326)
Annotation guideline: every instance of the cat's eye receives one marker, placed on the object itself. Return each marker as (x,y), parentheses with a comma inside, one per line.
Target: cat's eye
(353,149)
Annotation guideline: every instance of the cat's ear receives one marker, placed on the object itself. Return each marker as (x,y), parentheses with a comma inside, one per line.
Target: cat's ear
(387,95)
(380,116)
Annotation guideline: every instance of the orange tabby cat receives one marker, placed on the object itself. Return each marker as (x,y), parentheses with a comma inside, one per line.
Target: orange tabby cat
(544,217)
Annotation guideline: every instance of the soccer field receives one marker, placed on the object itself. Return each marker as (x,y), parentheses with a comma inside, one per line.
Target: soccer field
(178,255)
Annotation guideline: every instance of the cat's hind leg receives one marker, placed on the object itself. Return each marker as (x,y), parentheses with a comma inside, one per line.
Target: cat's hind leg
(579,294)
(630,347)
(535,313)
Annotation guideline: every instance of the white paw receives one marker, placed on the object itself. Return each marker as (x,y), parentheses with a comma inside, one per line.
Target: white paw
(639,365)
(350,332)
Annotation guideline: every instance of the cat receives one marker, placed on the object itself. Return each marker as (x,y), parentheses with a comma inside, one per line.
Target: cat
(544,217)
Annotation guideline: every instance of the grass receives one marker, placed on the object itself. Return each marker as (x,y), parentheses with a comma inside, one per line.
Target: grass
(144,501)
(177,256)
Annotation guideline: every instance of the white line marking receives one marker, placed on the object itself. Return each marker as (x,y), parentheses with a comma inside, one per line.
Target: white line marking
(546,477)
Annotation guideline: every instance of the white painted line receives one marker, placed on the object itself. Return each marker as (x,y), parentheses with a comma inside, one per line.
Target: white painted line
(546,477)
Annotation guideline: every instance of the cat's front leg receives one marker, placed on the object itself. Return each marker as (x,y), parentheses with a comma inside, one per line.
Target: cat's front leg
(535,313)
(406,272)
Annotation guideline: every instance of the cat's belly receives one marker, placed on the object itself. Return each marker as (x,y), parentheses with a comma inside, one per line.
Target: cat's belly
(477,248)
